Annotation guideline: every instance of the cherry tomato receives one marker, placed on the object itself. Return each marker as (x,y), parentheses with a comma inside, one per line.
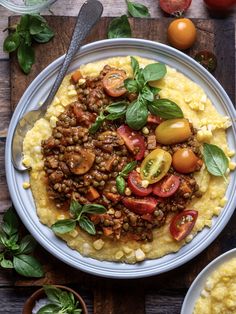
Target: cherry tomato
(185,161)
(134,182)
(113,83)
(154,119)
(133,140)
(155,165)
(206,59)
(167,186)
(219,5)
(145,205)
(182,224)
(174,6)
(182,33)
(173,131)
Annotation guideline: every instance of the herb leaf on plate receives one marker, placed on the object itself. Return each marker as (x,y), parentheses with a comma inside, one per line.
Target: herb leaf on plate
(165,109)
(136,115)
(120,181)
(119,28)
(136,9)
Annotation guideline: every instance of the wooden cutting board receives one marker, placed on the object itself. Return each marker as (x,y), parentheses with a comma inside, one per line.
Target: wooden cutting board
(128,296)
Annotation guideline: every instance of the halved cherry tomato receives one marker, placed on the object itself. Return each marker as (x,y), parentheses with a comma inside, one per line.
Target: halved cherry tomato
(145,205)
(174,6)
(154,119)
(206,59)
(155,166)
(182,33)
(133,140)
(113,83)
(167,186)
(182,224)
(173,131)
(185,161)
(134,182)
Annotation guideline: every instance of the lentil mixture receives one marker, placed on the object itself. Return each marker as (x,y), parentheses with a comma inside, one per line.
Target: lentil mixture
(83,167)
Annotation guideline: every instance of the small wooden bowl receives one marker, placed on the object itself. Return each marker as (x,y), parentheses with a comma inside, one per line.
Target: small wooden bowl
(39,294)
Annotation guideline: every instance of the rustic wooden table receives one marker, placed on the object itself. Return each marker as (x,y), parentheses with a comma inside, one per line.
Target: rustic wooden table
(159,294)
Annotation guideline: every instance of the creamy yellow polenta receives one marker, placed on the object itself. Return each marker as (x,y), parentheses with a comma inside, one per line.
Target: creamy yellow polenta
(219,293)
(196,107)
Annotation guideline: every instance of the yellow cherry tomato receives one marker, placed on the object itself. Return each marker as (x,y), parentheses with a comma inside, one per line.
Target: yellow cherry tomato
(185,161)
(155,166)
(173,131)
(182,33)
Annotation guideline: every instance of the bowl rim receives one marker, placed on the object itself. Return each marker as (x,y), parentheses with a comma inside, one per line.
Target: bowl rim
(123,273)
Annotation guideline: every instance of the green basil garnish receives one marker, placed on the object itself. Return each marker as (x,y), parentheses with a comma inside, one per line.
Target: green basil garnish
(120,181)
(119,28)
(165,109)
(136,9)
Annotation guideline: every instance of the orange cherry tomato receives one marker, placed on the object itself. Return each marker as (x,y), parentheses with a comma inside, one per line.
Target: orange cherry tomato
(182,224)
(184,160)
(113,83)
(182,33)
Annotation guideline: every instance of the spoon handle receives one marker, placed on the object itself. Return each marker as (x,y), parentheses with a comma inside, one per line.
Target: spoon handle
(89,15)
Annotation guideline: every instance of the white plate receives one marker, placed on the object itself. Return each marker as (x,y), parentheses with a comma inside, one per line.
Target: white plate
(23,199)
(199,283)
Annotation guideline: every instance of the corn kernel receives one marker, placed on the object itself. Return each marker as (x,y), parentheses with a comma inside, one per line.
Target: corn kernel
(53,121)
(231,153)
(146,247)
(98,244)
(81,81)
(127,191)
(61,217)
(144,183)
(145,130)
(127,250)
(72,93)
(223,201)
(138,169)
(189,238)
(74,233)
(139,255)
(71,87)
(119,255)
(56,101)
(26,185)
(232,165)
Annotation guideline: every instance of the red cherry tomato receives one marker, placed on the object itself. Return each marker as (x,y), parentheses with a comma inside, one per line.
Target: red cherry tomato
(219,5)
(174,6)
(154,119)
(206,59)
(113,83)
(167,186)
(141,206)
(182,224)
(133,140)
(134,182)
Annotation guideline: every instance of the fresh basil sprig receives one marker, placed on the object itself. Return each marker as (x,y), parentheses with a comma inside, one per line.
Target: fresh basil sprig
(79,213)
(215,160)
(61,302)
(30,28)
(120,181)
(165,109)
(136,9)
(119,28)
(14,251)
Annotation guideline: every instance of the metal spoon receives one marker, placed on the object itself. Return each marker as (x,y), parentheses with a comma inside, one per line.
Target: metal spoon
(89,14)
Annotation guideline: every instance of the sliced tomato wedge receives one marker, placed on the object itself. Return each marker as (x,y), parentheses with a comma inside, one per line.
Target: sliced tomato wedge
(113,83)
(141,206)
(133,141)
(174,6)
(154,119)
(134,182)
(182,224)
(167,186)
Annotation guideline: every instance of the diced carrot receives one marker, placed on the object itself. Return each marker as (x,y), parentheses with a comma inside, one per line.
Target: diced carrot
(95,218)
(107,231)
(92,194)
(110,163)
(76,76)
(184,187)
(112,196)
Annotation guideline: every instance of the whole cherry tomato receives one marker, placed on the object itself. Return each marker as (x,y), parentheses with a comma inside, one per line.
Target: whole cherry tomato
(145,205)
(206,59)
(182,224)
(219,5)
(113,83)
(184,160)
(167,186)
(133,140)
(135,184)
(182,33)
(174,6)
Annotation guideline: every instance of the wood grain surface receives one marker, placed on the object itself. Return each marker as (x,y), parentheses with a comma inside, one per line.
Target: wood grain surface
(158,294)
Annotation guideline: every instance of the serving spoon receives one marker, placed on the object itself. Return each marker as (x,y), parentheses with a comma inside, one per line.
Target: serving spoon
(88,16)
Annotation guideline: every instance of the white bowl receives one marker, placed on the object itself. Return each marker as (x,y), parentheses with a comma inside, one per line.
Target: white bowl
(23,199)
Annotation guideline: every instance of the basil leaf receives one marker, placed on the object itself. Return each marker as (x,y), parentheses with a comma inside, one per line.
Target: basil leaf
(115,116)
(75,208)
(36,24)
(147,94)
(215,159)
(27,245)
(136,115)
(24,23)
(87,225)
(135,66)
(27,266)
(120,184)
(117,107)
(97,124)
(128,168)
(53,293)
(12,42)
(6,263)
(49,309)
(10,222)
(165,109)
(64,226)
(119,28)
(137,10)
(154,72)
(44,36)
(25,56)
(140,79)
(3,238)
(131,85)
(94,209)
(154,90)
(77,311)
